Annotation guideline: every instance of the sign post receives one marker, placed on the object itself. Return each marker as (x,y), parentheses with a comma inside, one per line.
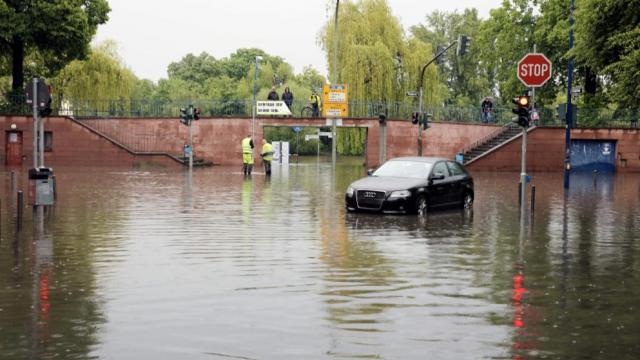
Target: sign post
(534,70)
(335,101)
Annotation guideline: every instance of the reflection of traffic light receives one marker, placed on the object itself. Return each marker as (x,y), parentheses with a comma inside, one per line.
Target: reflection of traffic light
(415,118)
(196,114)
(184,116)
(522,111)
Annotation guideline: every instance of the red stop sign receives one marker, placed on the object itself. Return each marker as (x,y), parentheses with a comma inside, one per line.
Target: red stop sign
(534,70)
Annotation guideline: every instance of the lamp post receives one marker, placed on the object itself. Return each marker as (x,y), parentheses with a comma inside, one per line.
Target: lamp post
(420,93)
(569,114)
(334,80)
(255,80)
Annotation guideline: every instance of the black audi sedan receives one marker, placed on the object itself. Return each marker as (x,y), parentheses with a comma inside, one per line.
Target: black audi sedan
(412,185)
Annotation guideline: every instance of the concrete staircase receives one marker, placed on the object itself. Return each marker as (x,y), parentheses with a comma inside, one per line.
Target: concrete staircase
(484,146)
(132,145)
(196,162)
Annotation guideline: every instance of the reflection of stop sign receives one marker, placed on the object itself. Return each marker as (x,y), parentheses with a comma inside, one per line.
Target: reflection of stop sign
(534,70)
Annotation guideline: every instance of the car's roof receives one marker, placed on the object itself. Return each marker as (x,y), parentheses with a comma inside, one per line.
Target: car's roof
(426,159)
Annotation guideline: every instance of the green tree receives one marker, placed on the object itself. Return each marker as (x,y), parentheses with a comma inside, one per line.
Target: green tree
(374,57)
(462,75)
(197,69)
(506,37)
(607,41)
(58,31)
(101,79)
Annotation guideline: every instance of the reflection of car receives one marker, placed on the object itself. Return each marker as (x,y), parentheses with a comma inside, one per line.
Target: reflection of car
(412,185)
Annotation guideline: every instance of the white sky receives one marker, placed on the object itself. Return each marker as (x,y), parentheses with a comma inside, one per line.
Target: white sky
(151,34)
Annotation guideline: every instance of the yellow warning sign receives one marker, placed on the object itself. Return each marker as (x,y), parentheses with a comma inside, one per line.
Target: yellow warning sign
(335,99)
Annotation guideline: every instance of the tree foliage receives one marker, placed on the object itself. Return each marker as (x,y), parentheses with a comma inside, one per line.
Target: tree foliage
(56,32)
(374,56)
(465,82)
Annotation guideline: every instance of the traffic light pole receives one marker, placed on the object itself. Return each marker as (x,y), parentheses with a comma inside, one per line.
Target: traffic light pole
(420,83)
(190,147)
(35,122)
(420,122)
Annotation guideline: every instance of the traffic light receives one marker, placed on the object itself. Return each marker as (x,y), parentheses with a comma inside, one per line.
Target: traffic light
(425,120)
(522,111)
(382,119)
(463,45)
(196,114)
(415,118)
(46,110)
(184,116)
(440,60)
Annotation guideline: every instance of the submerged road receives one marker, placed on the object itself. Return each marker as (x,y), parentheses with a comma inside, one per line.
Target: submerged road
(156,264)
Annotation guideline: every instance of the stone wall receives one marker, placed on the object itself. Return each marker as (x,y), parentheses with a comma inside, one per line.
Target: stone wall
(218,140)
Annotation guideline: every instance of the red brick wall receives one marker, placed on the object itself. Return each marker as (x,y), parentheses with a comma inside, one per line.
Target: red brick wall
(218,140)
(74,144)
(546,147)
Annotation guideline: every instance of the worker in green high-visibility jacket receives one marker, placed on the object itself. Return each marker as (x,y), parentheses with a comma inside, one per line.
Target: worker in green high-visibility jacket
(267,156)
(247,155)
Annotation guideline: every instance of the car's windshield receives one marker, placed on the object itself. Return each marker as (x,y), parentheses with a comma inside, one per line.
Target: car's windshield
(409,169)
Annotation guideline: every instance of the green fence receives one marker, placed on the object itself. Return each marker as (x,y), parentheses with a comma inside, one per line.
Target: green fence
(595,118)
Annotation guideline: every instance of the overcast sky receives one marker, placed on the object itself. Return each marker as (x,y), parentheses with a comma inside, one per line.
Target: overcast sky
(153,33)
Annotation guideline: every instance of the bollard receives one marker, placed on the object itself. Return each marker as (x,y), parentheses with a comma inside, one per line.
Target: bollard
(20,208)
(55,188)
(520,194)
(533,198)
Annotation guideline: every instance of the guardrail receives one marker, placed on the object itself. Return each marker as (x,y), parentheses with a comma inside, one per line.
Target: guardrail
(601,118)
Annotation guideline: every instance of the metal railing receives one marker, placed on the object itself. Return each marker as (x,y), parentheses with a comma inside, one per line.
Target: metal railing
(586,118)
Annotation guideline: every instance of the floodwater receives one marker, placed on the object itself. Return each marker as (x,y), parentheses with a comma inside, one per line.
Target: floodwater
(155,264)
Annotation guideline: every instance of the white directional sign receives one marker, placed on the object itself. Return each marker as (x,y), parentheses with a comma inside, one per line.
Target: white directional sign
(272,107)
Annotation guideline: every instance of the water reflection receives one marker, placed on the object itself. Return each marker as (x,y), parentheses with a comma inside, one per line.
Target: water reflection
(211,264)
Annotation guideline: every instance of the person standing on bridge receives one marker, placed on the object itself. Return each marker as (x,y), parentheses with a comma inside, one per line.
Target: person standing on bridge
(315,103)
(273,95)
(287,97)
(267,156)
(247,155)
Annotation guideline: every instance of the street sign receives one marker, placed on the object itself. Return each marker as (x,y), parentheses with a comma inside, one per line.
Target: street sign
(335,100)
(297,129)
(271,107)
(534,70)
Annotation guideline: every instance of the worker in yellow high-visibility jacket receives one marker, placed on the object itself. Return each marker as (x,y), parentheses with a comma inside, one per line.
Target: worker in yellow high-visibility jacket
(247,155)
(267,156)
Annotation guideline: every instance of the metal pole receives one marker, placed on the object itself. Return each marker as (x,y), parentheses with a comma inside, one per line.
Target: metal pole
(191,140)
(253,118)
(41,147)
(569,119)
(523,173)
(35,122)
(419,121)
(334,81)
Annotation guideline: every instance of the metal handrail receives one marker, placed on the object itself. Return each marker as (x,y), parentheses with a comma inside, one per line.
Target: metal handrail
(487,138)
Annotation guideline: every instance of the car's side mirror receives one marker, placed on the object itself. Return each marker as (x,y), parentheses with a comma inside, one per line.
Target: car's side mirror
(437,176)
(370,172)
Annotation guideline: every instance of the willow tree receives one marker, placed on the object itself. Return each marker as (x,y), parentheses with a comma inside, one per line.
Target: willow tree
(101,82)
(374,57)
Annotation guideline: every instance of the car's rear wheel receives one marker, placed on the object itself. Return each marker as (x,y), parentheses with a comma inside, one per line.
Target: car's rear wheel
(467,201)
(421,206)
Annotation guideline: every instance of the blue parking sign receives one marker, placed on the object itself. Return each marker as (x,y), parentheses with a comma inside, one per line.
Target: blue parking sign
(297,129)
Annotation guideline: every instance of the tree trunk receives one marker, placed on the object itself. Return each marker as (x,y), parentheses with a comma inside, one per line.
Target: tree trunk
(17,70)
(590,81)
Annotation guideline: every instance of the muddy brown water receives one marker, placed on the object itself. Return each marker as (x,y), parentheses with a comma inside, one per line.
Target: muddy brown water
(157,264)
